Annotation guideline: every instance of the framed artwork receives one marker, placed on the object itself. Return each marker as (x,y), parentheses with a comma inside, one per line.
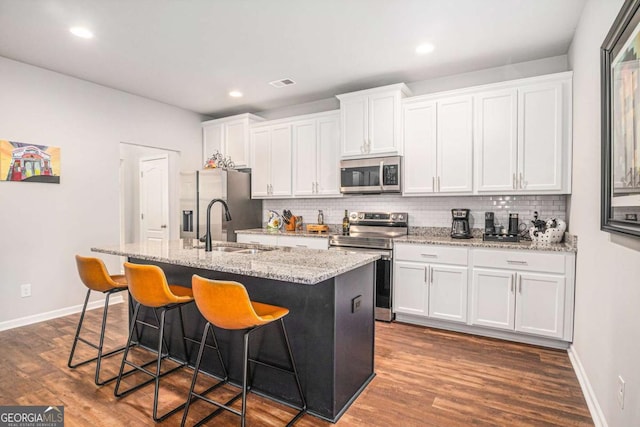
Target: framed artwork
(620,97)
(24,162)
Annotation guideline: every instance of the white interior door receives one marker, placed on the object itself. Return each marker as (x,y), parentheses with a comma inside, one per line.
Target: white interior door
(154,199)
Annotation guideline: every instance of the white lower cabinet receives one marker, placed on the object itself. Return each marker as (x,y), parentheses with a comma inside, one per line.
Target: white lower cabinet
(518,301)
(257,239)
(284,240)
(523,291)
(426,285)
(411,294)
(521,295)
(304,242)
(448,293)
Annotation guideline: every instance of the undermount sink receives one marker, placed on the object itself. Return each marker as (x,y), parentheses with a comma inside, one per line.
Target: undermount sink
(251,251)
(225,249)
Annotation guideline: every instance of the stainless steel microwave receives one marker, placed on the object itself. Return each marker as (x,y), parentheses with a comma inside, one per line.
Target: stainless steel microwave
(370,176)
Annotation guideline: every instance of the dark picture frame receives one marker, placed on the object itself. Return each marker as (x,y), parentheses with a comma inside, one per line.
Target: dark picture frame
(620,98)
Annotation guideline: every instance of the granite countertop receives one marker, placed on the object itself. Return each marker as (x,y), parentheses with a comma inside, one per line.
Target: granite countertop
(297,265)
(299,233)
(440,236)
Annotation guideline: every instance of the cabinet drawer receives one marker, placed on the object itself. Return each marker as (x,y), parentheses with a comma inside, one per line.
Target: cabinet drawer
(258,239)
(304,242)
(431,254)
(520,260)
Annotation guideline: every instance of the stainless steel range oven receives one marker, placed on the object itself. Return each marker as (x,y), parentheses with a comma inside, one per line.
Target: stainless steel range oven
(374,232)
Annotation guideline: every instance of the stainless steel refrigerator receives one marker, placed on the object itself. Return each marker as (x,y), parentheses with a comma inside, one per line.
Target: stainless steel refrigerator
(198,188)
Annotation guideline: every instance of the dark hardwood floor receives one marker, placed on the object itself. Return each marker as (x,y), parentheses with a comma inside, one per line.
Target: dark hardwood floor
(425,377)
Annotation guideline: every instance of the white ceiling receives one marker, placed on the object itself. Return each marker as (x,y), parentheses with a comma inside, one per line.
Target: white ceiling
(191,53)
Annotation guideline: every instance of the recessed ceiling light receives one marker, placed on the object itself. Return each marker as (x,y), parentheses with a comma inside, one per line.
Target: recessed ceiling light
(81,32)
(235,94)
(424,48)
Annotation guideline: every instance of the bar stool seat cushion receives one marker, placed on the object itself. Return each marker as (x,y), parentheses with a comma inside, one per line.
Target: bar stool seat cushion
(120,280)
(152,289)
(181,291)
(94,275)
(226,304)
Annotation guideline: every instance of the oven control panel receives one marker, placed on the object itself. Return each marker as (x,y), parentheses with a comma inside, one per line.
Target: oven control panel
(379,218)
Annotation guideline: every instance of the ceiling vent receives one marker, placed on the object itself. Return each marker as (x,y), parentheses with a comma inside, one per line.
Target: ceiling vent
(282,83)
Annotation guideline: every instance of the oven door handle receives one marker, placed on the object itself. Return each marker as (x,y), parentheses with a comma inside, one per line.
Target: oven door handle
(381,177)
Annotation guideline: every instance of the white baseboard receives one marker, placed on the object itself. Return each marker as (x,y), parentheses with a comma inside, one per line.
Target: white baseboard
(36,318)
(592,402)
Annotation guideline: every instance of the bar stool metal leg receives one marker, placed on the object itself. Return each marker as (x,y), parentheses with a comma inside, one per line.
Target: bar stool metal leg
(201,395)
(155,376)
(100,346)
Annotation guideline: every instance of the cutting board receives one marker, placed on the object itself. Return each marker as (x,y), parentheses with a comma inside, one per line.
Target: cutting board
(317,228)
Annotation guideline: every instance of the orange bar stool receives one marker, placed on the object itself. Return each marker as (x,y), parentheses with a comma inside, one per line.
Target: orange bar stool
(148,286)
(226,305)
(95,277)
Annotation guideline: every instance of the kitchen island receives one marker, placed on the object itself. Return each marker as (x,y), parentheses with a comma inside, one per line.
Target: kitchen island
(331,321)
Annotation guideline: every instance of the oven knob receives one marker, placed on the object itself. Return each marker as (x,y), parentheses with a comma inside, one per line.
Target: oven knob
(361,216)
(393,217)
(400,217)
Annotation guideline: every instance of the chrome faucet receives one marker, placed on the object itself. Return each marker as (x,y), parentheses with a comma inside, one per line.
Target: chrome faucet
(208,247)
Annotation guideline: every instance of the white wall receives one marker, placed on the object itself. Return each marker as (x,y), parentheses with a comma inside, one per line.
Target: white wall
(555,64)
(45,225)
(607,324)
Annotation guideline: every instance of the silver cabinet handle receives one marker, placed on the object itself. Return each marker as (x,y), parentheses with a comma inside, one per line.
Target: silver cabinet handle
(429,255)
(163,226)
(520,284)
(301,246)
(512,289)
(254,242)
(317,187)
(433,184)
(369,145)
(431,275)
(511,261)
(426,274)
(438,180)
(521,181)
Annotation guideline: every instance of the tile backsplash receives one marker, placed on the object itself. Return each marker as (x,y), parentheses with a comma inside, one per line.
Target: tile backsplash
(426,211)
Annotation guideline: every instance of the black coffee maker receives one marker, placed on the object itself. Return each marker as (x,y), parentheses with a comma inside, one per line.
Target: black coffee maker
(460,228)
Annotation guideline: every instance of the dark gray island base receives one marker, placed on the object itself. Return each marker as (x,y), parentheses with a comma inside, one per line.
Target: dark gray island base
(330,327)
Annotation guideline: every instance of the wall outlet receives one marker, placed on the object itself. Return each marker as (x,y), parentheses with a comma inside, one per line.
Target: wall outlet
(25,290)
(356,303)
(620,392)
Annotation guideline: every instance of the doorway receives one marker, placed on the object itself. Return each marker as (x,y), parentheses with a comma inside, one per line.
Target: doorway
(162,185)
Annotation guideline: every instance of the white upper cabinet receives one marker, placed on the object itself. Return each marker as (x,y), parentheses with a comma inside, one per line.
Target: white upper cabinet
(438,145)
(496,140)
(420,138)
(523,137)
(271,160)
(371,121)
(229,136)
(316,156)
